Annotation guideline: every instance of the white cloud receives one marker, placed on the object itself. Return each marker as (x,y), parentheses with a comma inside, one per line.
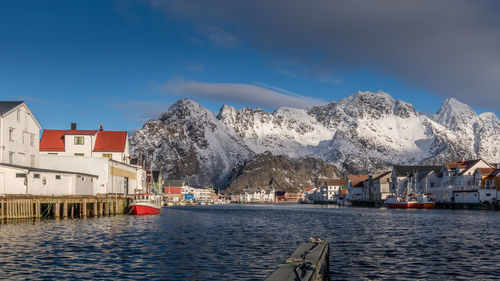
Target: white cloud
(244,94)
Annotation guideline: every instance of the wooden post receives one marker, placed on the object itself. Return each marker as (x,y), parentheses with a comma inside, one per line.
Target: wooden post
(101,209)
(3,209)
(65,209)
(72,210)
(31,213)
(16,208)
(94,210)
(39,208)
(57,210)
(84,211)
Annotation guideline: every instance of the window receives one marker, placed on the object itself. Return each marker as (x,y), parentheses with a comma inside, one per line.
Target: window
(11,134)
(11,157)
(79,154)
(79,140)
(36,176)
(20,175)
(83,178)
(52,153)
(58,177)
(32,139)
(107,155)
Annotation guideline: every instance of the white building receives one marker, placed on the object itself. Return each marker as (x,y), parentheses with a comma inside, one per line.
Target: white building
(96,152)
(20,172)
(87,143)
(19,134)
(200,194)
(458,183)
(257,195)
(331,189)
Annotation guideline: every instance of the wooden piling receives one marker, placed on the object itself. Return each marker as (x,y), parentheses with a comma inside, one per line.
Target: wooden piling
(3,209)
(65,209)
(84,209)
(94,208)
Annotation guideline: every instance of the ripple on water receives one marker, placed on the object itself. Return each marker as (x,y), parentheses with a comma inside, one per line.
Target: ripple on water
(246,242)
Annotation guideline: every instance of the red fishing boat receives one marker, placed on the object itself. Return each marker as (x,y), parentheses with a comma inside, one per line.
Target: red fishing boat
(413,201)
(145,204)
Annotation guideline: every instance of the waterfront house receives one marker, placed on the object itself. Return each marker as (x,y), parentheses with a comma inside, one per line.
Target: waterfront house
(257,195)
(377,187)
(332,188)
(96,152)
(19,134)
(459,181)
(174,190)
(20,170)
(405,178)
(356,186)
(309,194)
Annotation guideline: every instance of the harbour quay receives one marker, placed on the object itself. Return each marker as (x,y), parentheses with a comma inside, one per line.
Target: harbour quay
(41,207)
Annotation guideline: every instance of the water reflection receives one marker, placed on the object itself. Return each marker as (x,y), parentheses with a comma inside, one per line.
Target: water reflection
(246,242)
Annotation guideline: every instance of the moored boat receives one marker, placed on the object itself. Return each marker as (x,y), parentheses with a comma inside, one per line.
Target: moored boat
(145,204)
(413,201)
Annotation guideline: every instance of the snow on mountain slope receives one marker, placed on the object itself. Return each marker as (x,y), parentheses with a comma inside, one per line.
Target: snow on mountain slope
(287,131)
(366,132)
(188,142)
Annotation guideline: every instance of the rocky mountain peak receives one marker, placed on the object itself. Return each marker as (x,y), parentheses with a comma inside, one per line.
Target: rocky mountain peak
(454,114)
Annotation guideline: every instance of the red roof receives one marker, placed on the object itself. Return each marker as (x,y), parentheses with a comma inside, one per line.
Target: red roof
(52,140)
(106,141)
(112,141)
(81,132)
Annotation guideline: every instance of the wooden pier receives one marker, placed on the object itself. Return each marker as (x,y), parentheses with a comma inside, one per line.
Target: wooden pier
(310,262)
(36,207)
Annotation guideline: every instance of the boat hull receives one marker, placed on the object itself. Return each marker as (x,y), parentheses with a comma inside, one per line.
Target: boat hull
(140,210)
(410,205)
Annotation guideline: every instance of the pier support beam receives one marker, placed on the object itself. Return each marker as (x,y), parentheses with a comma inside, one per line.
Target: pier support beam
(65,209)
(84,209)
(94,209)
(57,211)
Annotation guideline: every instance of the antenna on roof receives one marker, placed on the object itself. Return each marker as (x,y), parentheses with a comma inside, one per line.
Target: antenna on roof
(100,127)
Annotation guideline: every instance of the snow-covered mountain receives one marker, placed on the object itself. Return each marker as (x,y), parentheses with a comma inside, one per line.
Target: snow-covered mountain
(366,132)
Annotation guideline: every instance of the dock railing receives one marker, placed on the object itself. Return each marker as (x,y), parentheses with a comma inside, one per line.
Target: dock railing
(310,262)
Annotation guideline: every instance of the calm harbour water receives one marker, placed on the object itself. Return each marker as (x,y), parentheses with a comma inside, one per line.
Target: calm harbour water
(246,242)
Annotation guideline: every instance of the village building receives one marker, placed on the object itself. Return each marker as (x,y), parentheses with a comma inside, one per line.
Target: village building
(257,195)
(356,186)
(20,170)
(405,178)
(332,189)
(174,190)
(96,152)
(19,134)
(459,182)
(377,187)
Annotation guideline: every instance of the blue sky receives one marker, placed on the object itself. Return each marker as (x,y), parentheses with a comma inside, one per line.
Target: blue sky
(120,63)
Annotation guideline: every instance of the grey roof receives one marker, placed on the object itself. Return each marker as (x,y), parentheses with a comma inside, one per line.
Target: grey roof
(6,106)
(31,169)
(407,171)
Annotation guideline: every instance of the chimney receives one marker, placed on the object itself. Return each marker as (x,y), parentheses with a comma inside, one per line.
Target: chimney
(100,127)
(73,126)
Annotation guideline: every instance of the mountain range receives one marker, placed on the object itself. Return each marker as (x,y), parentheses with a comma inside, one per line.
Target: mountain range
(367,132)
